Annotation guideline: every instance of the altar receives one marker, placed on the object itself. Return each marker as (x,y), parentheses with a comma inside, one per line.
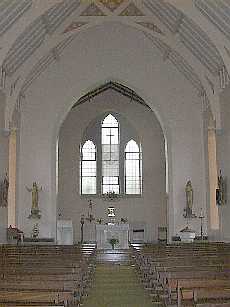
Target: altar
(112,231)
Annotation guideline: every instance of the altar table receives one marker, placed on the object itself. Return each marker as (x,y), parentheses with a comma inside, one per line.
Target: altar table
(106,232)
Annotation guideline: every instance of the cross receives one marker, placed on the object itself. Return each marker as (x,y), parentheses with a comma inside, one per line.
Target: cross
(110,136)
(110,141)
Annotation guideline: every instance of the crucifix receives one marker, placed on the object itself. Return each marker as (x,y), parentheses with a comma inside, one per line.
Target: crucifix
(90,216)
(110,135)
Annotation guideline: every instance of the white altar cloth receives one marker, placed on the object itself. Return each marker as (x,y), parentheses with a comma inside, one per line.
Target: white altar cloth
(64,232)
(106,232)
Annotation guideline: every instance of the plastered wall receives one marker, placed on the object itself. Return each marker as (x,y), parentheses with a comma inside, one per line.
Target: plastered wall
(3,166)
(223,147)
(92,59)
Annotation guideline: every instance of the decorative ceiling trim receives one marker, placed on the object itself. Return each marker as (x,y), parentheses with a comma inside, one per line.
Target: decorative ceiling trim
(74,26)
(11,11)
(93,10)
(132,10)
(227,51)
(111,5)
(45,61)
(120,88)
(189,33)
(35,34)
(150,26)
(217,12)
(211,84)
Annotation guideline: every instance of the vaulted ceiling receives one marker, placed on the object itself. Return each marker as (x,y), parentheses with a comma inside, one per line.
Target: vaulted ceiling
(192,34)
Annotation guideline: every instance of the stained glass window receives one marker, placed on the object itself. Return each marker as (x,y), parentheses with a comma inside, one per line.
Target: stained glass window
(133,177)
(88,168)
(119,166)
(110,154)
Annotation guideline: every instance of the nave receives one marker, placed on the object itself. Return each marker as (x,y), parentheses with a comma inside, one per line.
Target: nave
(195,274)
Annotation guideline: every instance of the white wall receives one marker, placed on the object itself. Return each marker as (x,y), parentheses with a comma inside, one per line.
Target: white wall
(151,207)
(119,53)
(3,166)
(223,149)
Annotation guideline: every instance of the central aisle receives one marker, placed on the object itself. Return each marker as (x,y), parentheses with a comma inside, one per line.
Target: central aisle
(116,286)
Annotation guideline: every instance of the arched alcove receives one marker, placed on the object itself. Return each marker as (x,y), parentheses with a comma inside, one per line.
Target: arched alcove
(144,211)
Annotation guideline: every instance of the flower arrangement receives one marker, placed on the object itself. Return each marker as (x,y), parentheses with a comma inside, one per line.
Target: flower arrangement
(99,221)
(35,231)
(110,196)
(113,242)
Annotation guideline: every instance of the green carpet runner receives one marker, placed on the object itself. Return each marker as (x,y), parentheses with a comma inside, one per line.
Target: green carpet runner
(116,286)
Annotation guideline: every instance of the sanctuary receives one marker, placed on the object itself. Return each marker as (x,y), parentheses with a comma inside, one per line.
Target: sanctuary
(114,137)
(133,108)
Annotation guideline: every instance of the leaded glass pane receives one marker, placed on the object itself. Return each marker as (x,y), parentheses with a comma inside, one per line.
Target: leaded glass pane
(132,185)
(132,155)
(88,168)
(106,188)
(88,151)
(110,154)
(110,180)
(110,168)
(132,168)
(110,121)
(132,147)
(109,136)
(88,185)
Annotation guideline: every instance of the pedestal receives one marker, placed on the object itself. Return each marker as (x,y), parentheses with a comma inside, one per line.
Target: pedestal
(89,232)
(64,232)
(187,236)
(106,232)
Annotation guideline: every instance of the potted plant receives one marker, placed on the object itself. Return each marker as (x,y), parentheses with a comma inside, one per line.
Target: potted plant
(113,242)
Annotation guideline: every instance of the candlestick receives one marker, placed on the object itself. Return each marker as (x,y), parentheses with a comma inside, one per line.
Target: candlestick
(201,217)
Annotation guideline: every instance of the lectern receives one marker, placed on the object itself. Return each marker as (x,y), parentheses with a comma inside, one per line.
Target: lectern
(64,232)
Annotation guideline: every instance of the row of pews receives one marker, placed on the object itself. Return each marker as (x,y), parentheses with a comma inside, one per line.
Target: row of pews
(45,275)
(186,274)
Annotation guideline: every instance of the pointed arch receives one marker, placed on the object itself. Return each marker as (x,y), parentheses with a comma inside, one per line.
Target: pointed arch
(110,121)
(88,168)
(133,168)
(110,155)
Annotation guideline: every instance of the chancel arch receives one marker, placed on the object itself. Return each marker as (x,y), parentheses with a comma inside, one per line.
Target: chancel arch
(113,126)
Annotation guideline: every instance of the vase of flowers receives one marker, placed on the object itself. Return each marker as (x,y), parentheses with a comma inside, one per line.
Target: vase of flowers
(113,242)
(99,221)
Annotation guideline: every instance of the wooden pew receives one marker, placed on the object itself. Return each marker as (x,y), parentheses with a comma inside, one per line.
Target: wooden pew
(45,275)
(164,266)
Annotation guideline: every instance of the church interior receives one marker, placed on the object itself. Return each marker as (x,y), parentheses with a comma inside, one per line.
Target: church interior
(114,153)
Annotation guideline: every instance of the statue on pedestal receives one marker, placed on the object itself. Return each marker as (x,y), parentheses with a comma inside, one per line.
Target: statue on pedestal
(35,231)
(189,201)
(4,186)
(35,212)
(221,191)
